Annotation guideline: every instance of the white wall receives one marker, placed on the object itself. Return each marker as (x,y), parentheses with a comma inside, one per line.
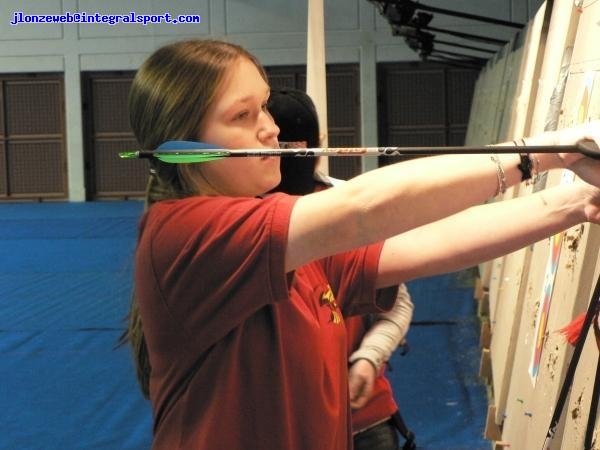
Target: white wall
(275,30)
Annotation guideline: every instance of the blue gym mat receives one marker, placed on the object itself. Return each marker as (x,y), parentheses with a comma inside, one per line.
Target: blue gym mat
(65,281)
(436,384)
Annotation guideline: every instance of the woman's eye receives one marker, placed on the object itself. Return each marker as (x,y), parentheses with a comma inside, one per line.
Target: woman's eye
(241,115)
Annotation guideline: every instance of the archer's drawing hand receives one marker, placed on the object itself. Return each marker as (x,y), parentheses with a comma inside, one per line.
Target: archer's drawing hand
(361,379)
(586,168)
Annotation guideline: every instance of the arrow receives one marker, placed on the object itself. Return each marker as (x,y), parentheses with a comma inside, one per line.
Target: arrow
(176,152)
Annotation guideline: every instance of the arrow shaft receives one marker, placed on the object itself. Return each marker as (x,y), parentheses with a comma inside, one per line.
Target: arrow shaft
(192,152)
(374,151)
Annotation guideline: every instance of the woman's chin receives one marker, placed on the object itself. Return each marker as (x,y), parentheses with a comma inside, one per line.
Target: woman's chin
(272,184)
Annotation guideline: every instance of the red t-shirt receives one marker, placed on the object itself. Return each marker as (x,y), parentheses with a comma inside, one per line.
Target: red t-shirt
(381,405)
(244,355)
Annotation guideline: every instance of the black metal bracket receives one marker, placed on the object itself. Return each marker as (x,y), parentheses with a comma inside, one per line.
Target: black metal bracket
(413,25)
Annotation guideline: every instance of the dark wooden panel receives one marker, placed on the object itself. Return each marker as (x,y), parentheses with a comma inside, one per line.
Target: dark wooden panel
(282,80)
(343,117)
(343,92)
(32,137)
(107,132)
(2,119)
(111,113)
(461,86)
(3,172)
(115,176)
(33,107)
(423,104)
(36,168)
(348,166)
(415,97)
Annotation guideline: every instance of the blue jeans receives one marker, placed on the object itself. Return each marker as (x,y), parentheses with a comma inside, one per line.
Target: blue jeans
(380,437)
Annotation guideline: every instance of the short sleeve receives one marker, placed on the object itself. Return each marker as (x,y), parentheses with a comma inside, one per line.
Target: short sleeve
(353,277)
(215,260)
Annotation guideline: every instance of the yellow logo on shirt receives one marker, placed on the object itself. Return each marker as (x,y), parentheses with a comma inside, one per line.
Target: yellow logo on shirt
(328,299)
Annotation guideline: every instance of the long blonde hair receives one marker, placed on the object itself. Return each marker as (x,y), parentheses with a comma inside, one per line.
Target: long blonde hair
(169,98)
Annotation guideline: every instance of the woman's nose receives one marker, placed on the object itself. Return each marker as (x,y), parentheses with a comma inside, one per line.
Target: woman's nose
(269,130)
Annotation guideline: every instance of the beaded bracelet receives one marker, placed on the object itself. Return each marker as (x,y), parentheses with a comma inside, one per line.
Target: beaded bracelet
(500,174)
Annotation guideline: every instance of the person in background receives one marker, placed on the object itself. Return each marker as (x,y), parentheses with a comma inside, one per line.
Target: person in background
(376,418)
(239,294)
